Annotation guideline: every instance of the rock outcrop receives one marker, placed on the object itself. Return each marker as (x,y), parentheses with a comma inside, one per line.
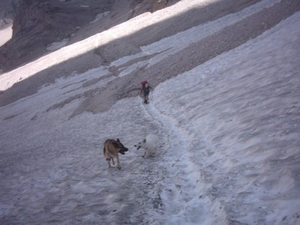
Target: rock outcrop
(38,23)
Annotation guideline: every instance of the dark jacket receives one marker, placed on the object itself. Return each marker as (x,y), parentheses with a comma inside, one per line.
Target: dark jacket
(146,90)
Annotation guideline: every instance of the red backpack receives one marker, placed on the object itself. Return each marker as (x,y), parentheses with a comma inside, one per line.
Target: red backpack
(144,82)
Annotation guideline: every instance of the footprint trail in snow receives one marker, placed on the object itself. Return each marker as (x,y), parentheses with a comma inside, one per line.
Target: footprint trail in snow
(180,183)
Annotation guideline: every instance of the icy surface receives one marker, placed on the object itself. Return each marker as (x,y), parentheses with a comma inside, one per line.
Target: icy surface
(229,145)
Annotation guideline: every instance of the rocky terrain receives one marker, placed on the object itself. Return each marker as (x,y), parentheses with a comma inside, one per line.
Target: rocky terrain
(39,23)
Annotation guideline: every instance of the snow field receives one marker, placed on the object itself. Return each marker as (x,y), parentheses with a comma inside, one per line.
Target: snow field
(229,145)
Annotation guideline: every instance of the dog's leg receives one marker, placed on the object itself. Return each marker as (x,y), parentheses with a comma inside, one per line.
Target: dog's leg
(113,161)
(108,161)
(118,161)
(144,154)
(110,156)
(105,153)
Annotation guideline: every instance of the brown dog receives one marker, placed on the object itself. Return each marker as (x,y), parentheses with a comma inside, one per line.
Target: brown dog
(111,150)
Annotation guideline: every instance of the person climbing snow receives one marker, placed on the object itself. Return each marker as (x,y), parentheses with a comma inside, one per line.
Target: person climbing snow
(146,91)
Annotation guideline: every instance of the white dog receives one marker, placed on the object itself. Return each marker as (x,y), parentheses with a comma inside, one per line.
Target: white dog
(149,144)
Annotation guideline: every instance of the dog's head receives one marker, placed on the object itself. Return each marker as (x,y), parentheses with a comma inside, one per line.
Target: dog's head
(122,148)
(140,144)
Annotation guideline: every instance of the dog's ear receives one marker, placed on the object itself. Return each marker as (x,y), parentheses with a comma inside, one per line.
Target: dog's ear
(118,140)
(144,140)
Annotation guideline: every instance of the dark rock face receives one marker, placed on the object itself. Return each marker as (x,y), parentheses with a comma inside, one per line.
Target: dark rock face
(38,23)
(7,10)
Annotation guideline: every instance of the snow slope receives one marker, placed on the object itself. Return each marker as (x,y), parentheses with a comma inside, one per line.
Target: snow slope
(229,145)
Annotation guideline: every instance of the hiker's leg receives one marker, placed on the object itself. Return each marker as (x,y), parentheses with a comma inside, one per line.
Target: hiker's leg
(145,98)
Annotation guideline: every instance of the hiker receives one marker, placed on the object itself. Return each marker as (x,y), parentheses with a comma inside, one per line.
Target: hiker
(146,90)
